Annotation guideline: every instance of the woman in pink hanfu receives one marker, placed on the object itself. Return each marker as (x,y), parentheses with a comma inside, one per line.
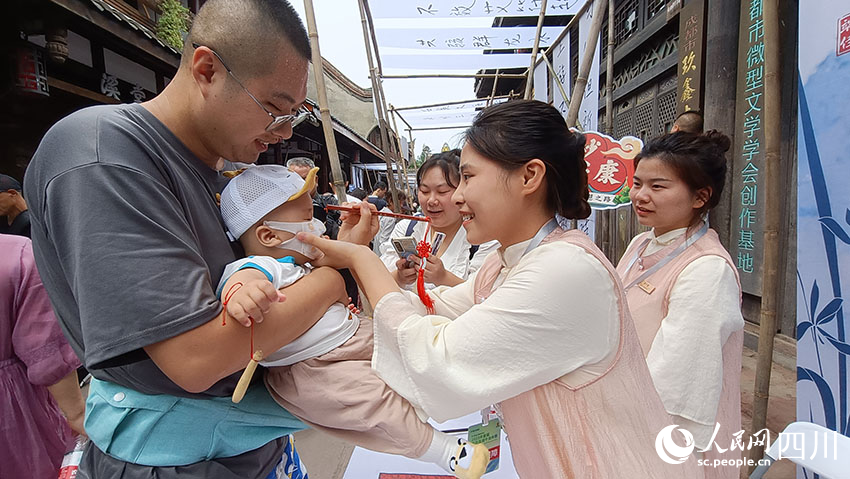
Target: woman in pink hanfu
(541,330)
(684,293)
(36,366)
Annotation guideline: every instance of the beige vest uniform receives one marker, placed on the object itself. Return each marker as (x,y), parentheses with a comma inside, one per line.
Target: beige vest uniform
(598,427)
(648,311)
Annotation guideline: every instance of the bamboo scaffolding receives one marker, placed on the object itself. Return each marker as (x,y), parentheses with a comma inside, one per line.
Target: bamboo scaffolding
(586,61)
(555,77)
(569,25)
(448,103)
(454,75)
(403,161)
(771,260)
(377,97)
(409,126)
(493,91)
(327,126)
(530,73)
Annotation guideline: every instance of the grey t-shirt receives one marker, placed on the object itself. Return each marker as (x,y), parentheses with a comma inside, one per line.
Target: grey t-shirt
(128,240)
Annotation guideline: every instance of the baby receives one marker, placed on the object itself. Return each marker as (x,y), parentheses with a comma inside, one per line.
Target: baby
(324,376)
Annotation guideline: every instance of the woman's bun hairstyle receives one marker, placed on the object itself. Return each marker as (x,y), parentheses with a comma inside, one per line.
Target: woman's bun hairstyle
(698,159)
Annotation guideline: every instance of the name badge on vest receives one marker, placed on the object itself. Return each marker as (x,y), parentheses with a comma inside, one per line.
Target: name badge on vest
(646,286)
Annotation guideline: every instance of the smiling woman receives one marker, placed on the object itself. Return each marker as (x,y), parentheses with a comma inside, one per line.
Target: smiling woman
(456,258)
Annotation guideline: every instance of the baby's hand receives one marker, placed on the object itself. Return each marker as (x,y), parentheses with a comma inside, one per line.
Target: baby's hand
(352,307)
(251,300)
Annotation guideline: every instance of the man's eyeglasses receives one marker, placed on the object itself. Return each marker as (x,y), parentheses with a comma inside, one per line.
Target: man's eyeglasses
(277,120)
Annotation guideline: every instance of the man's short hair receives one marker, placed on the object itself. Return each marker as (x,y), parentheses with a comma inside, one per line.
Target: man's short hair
(381,185)
(242,30)
(8,183)
(690,121)
(300,161)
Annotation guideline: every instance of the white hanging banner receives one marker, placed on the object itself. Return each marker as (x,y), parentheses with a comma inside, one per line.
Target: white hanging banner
(588,115)
(561,65)
(470,8)
(443,118)
(467,63)
(483,38)
(540,81)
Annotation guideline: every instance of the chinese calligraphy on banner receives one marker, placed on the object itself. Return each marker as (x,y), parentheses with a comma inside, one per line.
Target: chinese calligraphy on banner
(691,46)
(561,65)
(465,38)
(610,169)
(823,217)
(748,153)
(470,8)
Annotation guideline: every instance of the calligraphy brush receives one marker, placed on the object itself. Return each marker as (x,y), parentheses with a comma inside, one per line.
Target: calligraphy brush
(379,213)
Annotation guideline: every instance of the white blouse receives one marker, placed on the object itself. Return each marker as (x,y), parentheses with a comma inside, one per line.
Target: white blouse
(455,258)
(552,311)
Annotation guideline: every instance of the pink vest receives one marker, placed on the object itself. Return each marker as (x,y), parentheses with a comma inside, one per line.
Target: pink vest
(604,428)
(648,310)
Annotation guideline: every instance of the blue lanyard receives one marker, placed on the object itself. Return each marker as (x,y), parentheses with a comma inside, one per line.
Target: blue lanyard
(666,259)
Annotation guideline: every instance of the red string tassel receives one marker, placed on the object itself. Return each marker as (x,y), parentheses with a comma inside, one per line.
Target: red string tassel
(423,250)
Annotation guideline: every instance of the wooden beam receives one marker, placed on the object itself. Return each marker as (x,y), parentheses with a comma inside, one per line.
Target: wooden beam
(79,91)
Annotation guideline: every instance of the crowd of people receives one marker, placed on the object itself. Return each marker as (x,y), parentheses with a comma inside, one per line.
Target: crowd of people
(164,277)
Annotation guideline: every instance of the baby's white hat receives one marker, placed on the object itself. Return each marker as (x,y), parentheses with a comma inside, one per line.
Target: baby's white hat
(256,191)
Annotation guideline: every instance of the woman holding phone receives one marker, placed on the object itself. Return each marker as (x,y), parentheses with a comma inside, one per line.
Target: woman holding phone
(455,258)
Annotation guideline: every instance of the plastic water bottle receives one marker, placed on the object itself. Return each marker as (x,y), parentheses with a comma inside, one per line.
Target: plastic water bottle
(71,460)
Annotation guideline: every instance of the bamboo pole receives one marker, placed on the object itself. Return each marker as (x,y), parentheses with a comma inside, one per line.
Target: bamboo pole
(453,75)
(409,126)
(555,77)
(609,74)
(448,103)
(403,161)
(606,218)
(770,265)
(584,70)
(530,73)
(493,91)
(327,125)
(384,112)
(377,97)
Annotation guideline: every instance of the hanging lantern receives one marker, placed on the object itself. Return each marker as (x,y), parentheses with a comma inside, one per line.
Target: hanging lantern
(31,75)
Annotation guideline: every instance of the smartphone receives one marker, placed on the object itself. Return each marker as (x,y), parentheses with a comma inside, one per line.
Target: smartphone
(404,246)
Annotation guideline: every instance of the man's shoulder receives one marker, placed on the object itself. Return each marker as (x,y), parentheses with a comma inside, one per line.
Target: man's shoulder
(98,137)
